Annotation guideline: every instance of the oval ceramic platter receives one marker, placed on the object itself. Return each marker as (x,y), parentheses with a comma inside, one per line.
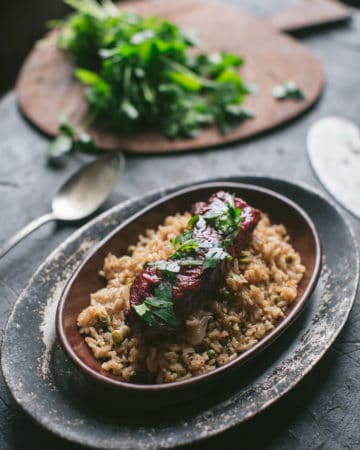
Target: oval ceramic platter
(86,280)
(49,388)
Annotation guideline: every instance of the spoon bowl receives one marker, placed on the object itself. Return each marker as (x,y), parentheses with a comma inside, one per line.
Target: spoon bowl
(79,197)
(88,188)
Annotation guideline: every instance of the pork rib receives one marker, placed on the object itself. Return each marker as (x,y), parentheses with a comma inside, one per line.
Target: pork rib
(194,284)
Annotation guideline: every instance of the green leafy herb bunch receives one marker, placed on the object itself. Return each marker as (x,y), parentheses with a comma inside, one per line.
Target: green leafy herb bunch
(141,72)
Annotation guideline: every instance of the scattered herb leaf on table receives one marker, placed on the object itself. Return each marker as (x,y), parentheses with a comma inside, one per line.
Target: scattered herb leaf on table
(70,139)
(289,89)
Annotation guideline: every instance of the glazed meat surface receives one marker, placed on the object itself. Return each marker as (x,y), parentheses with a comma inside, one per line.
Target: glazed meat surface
(222,227)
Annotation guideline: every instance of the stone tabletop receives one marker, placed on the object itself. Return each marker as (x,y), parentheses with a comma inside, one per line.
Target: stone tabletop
(321,413)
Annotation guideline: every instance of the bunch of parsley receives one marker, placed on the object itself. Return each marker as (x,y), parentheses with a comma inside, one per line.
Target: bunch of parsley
(140,74)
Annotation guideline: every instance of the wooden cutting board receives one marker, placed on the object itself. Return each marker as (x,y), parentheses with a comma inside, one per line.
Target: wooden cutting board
(46,86)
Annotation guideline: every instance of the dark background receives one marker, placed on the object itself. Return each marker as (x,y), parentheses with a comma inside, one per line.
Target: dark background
(22,22)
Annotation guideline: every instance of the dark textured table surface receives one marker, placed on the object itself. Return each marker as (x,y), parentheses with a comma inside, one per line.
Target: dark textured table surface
(324,411)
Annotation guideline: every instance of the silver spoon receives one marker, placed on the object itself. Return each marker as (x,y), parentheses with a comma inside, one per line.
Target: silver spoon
(79,197)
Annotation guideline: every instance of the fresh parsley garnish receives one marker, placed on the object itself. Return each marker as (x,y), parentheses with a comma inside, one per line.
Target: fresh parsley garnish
(225,218)
(289,89)
(158,311)
(165,266)
(139,72)
(186,248)
(190,262)
(70,139)
(183,237)
(214,256)
(193,220)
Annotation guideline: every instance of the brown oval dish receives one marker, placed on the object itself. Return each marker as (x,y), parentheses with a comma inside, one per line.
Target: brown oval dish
(85,280)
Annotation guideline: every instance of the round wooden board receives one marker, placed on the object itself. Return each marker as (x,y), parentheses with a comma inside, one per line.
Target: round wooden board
(46,86)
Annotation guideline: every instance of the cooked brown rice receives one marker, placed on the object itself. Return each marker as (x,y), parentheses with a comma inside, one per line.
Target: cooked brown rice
(260,285)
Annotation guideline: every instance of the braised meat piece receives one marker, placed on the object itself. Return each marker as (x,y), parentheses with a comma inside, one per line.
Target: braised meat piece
(249,217)
(164,293)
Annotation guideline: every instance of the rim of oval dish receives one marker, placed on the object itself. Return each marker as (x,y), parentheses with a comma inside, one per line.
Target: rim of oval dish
(242,358)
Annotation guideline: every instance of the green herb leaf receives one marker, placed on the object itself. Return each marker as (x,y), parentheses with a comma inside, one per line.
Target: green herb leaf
(187,247)
(193,221)
(238,112)
(60,146)
(130,110)
(214,256)
(145,312)
(165,266)
(88,77)
(225,218)
(158,310)
(85,141)
(65,127)
(188,81)
(142,36)
(190,262)
(288,90)
(70,139)
(181,238)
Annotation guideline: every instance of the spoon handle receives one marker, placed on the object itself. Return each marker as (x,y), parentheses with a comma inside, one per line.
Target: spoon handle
(25,231)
